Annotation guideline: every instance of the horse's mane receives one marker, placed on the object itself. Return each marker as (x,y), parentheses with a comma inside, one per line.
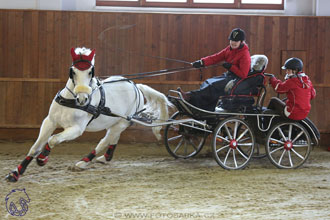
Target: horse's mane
(84,51)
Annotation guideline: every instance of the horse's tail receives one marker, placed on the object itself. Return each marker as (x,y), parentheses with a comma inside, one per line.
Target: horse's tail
(157,104)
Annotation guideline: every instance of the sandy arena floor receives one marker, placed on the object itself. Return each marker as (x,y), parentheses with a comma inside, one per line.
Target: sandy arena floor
(144,182)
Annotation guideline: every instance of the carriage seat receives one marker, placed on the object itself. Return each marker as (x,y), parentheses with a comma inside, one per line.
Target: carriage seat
(241,93)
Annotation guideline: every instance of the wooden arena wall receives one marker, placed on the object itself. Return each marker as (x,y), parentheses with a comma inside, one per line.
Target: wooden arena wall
(35,54)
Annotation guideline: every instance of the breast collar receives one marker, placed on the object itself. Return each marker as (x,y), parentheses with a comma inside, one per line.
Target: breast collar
(91,109)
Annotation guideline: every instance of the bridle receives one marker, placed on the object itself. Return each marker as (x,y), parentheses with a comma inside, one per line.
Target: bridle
(71,74)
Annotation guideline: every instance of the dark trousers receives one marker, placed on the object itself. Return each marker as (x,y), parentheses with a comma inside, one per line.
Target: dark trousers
(278,105)
(207,96)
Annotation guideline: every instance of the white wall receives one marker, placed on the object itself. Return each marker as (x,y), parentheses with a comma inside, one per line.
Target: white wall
(19,4)
(300,7)
(72,5)
(292,7)
(323,8)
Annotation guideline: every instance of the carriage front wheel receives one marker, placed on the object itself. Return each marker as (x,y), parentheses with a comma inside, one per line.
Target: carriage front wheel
(233,143)
(288,145)
(183,140)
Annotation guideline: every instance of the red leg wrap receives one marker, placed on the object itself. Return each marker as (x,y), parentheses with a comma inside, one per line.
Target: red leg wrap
(89,157)
(109,153)
(42,158)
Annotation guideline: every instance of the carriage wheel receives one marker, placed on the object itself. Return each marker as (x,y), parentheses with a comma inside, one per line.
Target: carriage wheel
(182,141)
(233,143)
(288,145)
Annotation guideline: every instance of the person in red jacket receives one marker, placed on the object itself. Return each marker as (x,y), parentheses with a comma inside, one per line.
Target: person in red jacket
(237,61)
(298,88)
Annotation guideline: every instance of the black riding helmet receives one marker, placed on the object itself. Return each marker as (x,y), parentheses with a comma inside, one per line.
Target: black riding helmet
(293,63)
(237,34)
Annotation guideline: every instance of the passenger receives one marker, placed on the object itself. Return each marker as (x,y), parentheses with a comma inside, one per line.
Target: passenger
(298,88)
(236,57)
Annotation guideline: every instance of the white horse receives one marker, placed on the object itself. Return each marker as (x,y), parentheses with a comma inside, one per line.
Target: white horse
(80,106)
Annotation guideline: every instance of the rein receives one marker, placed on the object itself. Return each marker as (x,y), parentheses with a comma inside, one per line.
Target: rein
(155,73)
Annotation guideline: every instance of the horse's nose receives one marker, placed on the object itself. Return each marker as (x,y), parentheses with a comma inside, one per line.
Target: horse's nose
(82,100)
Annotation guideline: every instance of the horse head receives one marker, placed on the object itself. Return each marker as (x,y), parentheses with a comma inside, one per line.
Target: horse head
(82,73)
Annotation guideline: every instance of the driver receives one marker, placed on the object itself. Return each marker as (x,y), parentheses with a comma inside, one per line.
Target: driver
(237,61)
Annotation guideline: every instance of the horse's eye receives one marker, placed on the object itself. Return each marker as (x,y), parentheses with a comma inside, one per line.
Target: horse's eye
(90,73)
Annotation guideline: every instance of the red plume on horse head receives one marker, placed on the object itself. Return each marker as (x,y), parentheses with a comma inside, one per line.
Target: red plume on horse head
(82,60)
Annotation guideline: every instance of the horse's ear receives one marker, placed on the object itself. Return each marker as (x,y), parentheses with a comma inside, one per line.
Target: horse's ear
(91,55)
(73,54)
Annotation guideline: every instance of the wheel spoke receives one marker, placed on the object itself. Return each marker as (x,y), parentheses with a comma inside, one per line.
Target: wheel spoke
(245,139)
(280,160)
(300,145)
(234,158)
(178,146)
(290,160)
(298,136)
(243,155)
(227,156)
(193,144)
(222,138)
(244,144)
(290,131)
(275,140)
(174,138)
(244,132)
(228,132)
(222,148)
(296,153)
(235,129)
(276,150)
(281,132)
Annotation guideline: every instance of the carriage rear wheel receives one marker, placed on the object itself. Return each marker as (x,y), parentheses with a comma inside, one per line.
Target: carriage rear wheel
(233,143)
(288,145)
(182,140)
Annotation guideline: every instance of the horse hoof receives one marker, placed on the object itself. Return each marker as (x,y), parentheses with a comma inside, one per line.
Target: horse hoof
(12,177)
(42,160)
(82,164)
(101,159)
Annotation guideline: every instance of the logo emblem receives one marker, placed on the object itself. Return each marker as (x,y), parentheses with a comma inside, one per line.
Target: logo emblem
(235,34)
(17,202)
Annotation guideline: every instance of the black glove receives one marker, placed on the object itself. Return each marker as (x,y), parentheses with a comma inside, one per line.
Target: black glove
(269,74)
(226,65)
(198,64)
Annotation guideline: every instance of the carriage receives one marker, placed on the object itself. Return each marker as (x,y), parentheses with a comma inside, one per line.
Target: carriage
(241,128)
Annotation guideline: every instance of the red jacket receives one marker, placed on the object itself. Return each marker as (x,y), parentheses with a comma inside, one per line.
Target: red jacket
(299,95)
(239,58)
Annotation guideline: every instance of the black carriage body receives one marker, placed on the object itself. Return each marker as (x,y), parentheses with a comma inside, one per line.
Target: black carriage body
(242,94)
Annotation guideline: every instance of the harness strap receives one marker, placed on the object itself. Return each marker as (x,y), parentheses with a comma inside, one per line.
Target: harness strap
(94,110)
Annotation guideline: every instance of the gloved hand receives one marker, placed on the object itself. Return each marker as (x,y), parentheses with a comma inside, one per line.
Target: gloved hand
(226,65)
(269,74)
(198,64)
(271,78)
